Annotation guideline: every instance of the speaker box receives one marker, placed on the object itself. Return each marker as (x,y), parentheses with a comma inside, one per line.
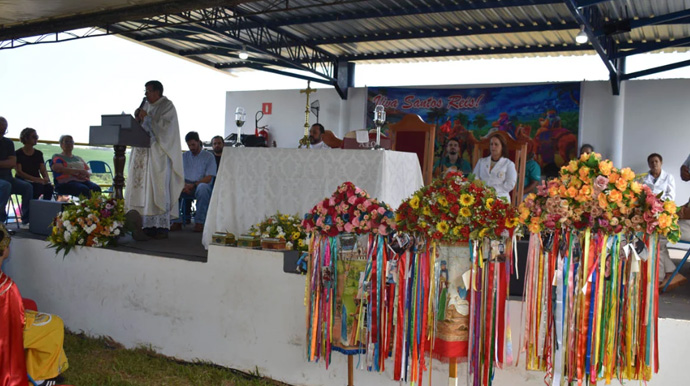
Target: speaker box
(248,140)
(517,285)
(42,214)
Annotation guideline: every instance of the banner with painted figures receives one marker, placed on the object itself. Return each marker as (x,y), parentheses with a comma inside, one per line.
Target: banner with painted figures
(547,115)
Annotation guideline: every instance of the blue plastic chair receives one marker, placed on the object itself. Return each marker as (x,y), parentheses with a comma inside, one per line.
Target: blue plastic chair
(685,258)
(100,167)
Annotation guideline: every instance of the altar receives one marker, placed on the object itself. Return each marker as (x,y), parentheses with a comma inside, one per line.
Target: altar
(253,183)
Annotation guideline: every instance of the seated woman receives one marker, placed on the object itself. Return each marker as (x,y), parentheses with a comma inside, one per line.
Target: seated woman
(32,341)
(71,172)
(661,182)
(31,166)
(497,170)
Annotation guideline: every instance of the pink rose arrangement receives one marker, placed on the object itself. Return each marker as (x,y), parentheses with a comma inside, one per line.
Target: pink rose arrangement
(350,210)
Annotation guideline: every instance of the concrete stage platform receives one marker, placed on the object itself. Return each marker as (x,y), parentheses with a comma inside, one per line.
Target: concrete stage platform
(237,309)
(184,244)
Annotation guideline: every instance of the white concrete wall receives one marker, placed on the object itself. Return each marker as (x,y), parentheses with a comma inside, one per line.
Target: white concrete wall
(596,119)
(286,122)
(656,119)
(656,116)
(238,310)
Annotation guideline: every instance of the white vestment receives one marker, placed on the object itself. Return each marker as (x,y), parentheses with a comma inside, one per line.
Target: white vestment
(156,177)
(502,177)
(320,145)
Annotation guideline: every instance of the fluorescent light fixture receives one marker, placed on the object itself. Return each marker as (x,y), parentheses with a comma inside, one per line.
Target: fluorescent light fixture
(581,37)
(244,55)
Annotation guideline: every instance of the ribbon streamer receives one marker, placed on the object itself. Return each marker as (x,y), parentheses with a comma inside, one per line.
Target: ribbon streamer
(602,304)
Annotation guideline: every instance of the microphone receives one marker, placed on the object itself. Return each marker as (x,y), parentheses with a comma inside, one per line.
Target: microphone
(136,112)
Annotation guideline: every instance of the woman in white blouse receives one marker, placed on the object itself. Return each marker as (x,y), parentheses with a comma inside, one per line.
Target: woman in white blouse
(658,179)
(497,170)
(661,182)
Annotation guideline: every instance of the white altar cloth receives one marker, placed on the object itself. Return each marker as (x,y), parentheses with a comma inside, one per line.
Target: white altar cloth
(254,183)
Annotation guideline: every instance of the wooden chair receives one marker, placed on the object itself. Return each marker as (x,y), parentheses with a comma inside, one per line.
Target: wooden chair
(412,134)
(350,141)
(517,152)
(331,140)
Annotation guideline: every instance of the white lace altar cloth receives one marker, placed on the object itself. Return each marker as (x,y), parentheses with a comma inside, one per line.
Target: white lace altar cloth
(253,183)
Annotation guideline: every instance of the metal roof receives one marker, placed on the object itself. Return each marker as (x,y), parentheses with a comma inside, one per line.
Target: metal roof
(321,40)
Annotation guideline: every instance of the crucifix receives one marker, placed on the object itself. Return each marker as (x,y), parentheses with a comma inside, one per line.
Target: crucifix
(305,140)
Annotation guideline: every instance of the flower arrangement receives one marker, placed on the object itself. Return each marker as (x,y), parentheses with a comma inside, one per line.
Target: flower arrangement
(592,193)
(351,210)
(455,209)
(92,222)
(282,226)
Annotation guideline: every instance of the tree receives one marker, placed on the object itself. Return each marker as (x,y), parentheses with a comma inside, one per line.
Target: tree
(463,118)
(437,114)
(480,121)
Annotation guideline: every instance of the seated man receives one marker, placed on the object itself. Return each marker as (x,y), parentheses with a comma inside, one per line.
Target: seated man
(683,219)
(31,341)
(199,170)
(452,161)
(217,144)
(8,184)
(316,137)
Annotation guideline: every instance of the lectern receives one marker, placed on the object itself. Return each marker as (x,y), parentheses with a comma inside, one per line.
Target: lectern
(120,131)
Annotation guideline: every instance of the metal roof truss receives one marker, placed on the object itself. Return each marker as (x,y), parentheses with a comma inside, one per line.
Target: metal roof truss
(320,40)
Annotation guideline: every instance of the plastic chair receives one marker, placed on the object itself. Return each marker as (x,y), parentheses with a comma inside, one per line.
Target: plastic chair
(11,209)
(186,201)
(685,258)
(56,192)
(101,167)
(49,170)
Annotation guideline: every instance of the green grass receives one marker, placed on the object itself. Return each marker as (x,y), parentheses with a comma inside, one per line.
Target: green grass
(100,361)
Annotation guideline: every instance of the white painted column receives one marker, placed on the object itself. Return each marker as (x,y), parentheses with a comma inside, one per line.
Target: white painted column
(344,121)
(617,131)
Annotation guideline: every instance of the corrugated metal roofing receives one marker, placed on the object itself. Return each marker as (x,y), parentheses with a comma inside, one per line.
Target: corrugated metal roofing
(317,36)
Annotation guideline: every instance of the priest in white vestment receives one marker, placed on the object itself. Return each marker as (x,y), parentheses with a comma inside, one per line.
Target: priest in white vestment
(156,175)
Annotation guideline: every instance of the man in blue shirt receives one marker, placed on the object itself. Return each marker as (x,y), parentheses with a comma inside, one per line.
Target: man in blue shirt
(199,171)
(452,161)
